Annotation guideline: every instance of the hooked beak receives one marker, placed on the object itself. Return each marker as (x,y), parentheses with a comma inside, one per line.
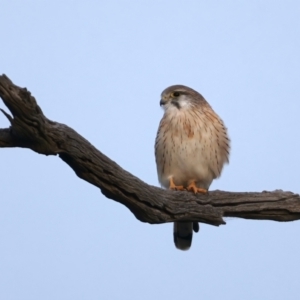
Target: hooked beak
(162,102)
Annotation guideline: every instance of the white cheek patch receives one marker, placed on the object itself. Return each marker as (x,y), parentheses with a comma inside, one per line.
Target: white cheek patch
(170,108)
(184,102)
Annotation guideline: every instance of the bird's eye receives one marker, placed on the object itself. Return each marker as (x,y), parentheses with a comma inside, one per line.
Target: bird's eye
(176,94)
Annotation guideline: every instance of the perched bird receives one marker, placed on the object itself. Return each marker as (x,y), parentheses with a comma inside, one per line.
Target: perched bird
(191,148)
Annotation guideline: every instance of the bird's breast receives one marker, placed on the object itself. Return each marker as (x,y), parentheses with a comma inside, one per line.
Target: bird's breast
(183,146)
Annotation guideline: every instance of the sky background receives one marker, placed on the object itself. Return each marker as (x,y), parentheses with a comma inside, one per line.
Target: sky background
(100,67)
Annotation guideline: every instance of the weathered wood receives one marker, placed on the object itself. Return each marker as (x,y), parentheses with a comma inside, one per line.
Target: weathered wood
(31,129)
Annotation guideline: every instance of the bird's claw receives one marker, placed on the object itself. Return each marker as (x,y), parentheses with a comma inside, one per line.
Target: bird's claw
(193,188)
(175,187)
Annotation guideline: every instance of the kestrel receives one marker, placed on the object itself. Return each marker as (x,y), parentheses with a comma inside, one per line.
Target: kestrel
(191,148)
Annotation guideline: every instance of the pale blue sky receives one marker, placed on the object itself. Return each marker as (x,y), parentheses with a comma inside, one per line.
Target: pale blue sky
(100,67)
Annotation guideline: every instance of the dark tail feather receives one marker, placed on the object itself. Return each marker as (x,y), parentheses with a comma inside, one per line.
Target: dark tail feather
(183,234)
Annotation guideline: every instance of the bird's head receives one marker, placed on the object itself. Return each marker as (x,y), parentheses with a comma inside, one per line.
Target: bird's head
(179,97)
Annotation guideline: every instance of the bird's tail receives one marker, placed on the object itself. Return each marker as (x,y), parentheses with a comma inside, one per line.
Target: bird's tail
(183,234)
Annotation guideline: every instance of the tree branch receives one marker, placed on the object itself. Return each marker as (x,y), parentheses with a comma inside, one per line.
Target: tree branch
(31,129)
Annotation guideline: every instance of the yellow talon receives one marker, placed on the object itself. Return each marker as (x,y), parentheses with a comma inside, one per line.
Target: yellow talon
(175,187)
(193,188)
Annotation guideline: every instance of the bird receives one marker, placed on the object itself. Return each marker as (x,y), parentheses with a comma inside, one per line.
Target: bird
(191,148)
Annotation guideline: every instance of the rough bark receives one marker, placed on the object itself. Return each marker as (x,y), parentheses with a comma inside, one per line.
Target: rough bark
(31,129)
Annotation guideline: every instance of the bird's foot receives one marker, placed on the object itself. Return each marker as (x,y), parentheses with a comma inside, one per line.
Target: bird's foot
(174,187)
(193,188)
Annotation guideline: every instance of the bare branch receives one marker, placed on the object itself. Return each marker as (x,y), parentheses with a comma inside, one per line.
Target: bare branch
(6,115)
(31,129)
